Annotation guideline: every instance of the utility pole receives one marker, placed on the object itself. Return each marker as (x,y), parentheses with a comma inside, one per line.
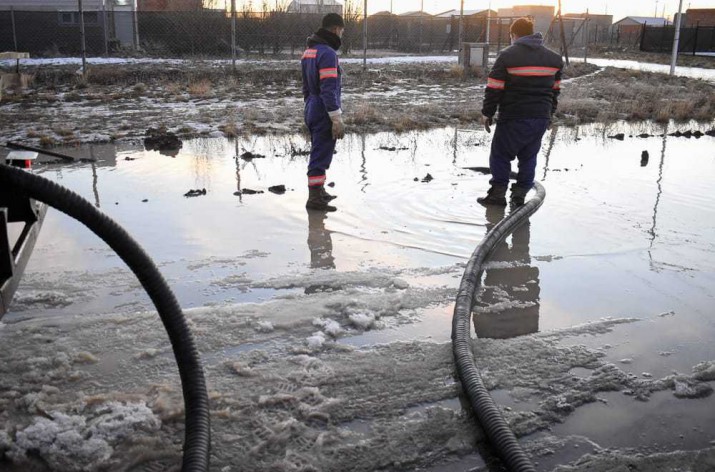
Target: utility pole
(563,35)
(364,36)
(461,29)
(233,34)
(676,40)
(655,13)
(82,40)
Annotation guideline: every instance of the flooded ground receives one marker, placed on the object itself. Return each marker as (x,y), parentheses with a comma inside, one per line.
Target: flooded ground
(326,337)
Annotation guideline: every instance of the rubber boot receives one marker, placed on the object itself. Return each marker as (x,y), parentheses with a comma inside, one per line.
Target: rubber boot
(316,200)
(496,195)
(327,198)
(518,195)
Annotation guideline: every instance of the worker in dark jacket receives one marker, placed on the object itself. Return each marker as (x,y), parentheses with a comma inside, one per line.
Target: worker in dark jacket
(323,113)
(524,85)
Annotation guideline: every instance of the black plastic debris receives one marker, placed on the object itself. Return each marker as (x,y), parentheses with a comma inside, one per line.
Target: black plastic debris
(711,132)
(644,158)
(645,135)
(416,179)
(162,140)
(248,191)
(248,155)
(619,136)
(145,200)
(427,178)
(392,148)
(277,189)
(195,193)
(331,184)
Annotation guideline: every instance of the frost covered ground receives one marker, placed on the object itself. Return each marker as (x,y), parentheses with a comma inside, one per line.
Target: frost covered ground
(121,98)
(326,340)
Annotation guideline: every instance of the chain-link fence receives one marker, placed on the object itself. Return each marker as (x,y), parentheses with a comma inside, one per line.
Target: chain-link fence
(209,33)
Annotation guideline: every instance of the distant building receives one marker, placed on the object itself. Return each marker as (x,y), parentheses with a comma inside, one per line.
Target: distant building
(699,17)
(632,25)
(580,27)
(416,13)
(315,6)
(170,5)
(542,15)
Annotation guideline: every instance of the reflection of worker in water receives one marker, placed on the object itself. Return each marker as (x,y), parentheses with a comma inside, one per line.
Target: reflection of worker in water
(509,303)
(320,242)
(323,114)
(524,85)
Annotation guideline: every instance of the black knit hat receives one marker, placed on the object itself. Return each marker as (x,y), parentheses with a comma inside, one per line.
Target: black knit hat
(333,19)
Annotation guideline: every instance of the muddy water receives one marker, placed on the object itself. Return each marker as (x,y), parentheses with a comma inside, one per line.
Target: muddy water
(615,238)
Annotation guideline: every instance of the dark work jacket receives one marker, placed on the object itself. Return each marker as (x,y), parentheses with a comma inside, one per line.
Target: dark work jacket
(525,81)
(322,75)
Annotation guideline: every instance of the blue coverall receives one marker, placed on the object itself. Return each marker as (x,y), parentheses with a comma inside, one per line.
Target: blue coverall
(321,93)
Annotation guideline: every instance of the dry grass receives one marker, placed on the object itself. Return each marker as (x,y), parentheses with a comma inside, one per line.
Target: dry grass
(200,88)
(230,129)
(47,141)
(617,94)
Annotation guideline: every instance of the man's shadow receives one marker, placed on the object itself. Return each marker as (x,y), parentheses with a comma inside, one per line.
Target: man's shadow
(512,285)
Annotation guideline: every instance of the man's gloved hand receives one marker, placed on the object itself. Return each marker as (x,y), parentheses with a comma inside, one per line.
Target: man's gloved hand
(488,121)
(338,126)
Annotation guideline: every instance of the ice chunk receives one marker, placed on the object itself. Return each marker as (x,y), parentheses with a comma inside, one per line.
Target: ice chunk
(118,421)
(316,341)
(362,320)
(265,327)
(61,444)
(685,389)
(331,327)
(705,371)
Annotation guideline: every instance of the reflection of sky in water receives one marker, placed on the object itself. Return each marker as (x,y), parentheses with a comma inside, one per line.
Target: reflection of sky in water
(613,238)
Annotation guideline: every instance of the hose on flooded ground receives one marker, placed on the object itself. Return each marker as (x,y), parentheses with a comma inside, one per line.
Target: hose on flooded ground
(197,436)
(498,432)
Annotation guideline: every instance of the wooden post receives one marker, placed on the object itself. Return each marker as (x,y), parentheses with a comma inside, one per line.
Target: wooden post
(82,39)
(364,36)
(14,38)
(233,34)
(563,36)
(461,28)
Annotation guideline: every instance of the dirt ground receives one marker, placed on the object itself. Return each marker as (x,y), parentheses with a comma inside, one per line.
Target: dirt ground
(201,99)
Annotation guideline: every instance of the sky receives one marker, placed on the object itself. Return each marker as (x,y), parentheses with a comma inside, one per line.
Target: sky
(617,8)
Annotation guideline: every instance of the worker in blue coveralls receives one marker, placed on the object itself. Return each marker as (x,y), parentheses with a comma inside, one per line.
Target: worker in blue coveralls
(524,84)
(323,113)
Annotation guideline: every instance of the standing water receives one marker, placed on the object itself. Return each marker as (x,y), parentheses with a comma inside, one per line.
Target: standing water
(327,336)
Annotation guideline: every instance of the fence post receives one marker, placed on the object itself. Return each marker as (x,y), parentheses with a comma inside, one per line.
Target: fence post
(695,39)
(364,36)
(83,44)
(104,27)
(461,28)
(233,34)
(135,21)
(14,39)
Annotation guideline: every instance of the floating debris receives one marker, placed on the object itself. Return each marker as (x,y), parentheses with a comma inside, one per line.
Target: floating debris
(644,158)
(195,193)
(619,136)
(248,191)
(162,140)
(277,189)
(248,155)
(428,178)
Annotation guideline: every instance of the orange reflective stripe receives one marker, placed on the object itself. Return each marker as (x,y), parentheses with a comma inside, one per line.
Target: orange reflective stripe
(331,72)
(533,71)
(310,54)
(557,85)
(316,180)
(495,83)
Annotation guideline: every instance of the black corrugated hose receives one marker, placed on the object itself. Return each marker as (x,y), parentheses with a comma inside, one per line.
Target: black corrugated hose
(492,421)
(197,436)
